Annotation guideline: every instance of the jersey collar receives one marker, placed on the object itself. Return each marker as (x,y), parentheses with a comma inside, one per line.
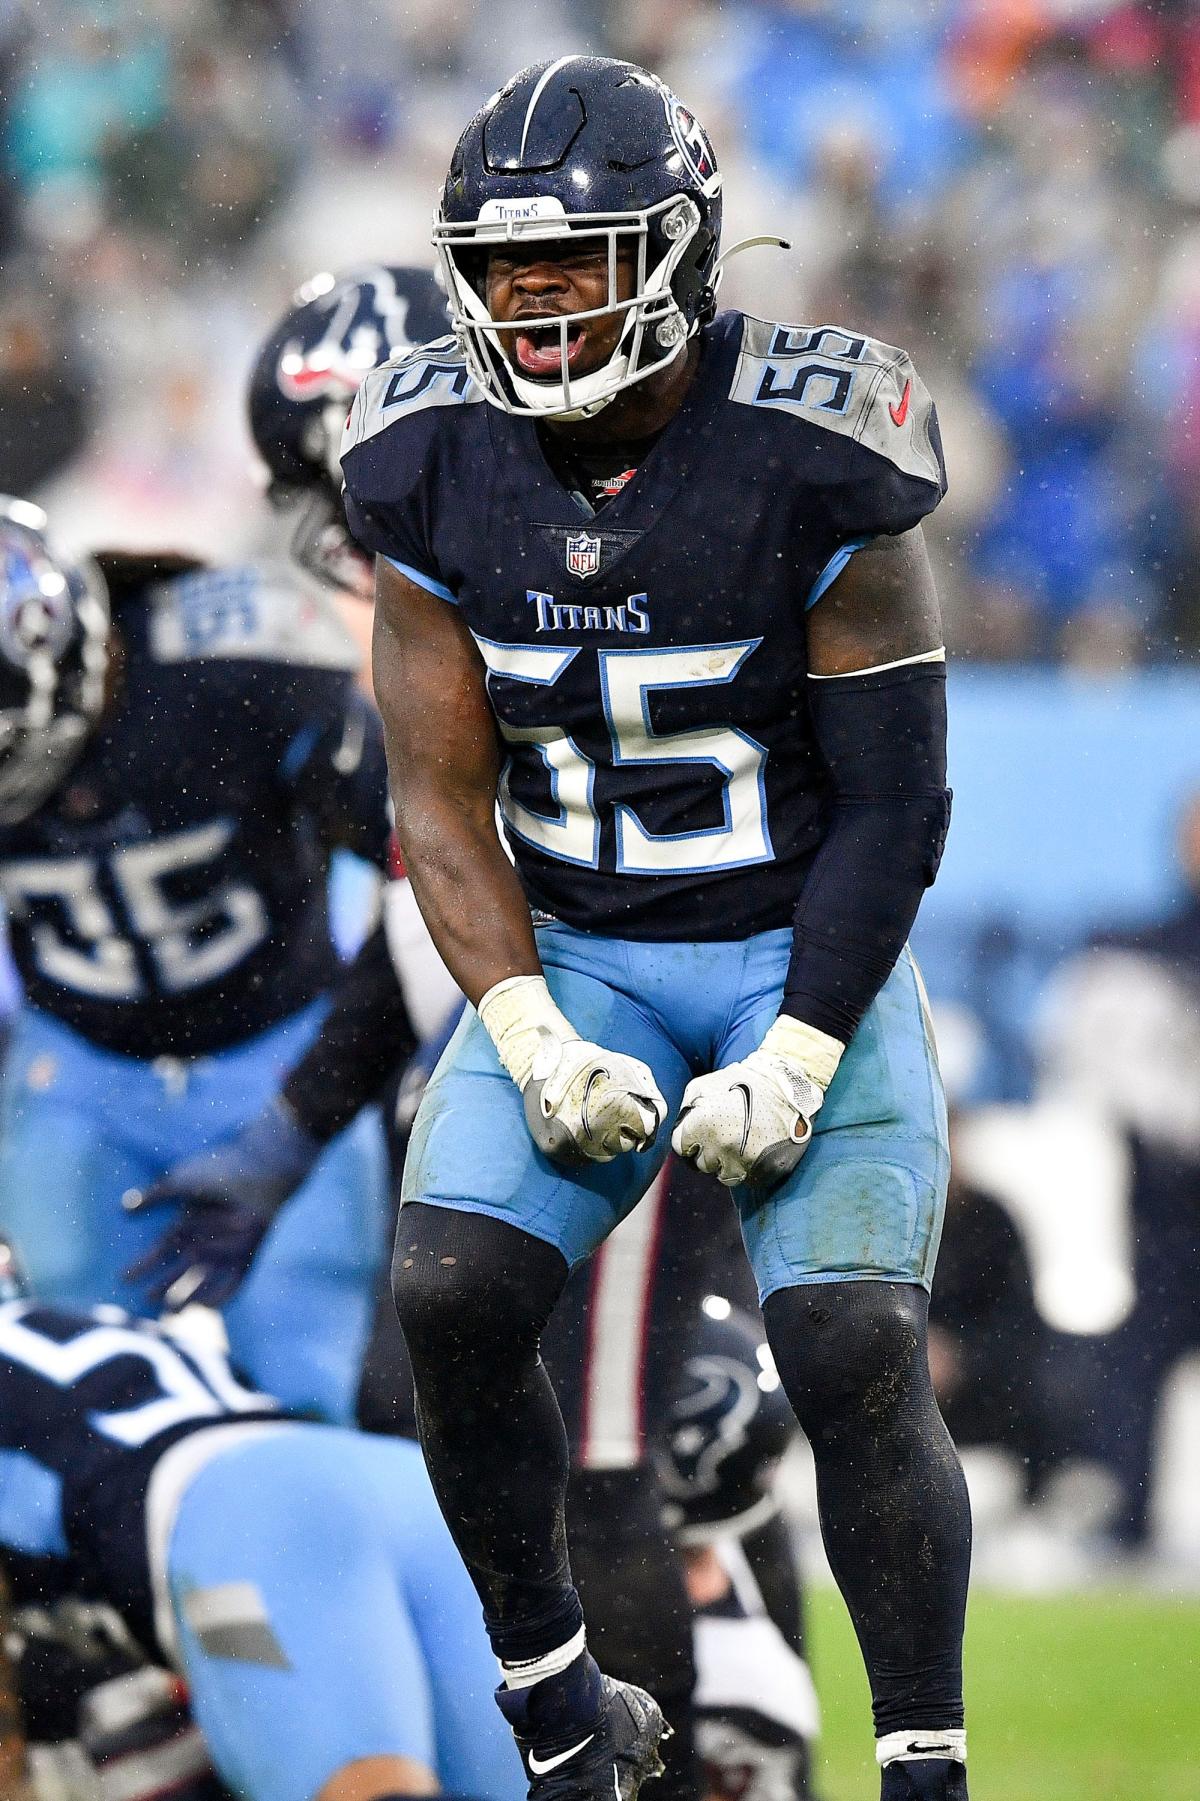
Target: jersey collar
(684,444)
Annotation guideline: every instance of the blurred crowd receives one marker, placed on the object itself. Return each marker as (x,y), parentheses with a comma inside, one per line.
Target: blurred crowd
(1011,190)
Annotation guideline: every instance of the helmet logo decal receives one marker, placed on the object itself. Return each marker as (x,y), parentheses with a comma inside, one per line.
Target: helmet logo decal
(691,141)
(36,617)
(713,1421)
(366,322)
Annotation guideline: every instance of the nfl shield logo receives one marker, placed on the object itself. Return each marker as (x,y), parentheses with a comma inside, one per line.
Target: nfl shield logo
(583,554)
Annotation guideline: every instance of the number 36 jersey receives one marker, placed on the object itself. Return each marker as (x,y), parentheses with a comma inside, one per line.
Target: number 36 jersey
(646,663)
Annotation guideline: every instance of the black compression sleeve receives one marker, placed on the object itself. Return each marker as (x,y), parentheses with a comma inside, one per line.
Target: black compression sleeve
(366,1036)
(883,740)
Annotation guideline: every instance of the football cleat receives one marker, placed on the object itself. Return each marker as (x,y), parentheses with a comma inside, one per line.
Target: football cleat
(608,1763)
(924,1779)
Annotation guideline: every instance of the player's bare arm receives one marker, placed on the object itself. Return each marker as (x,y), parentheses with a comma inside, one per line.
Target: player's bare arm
(581,1100)
(444,759)
(882,608)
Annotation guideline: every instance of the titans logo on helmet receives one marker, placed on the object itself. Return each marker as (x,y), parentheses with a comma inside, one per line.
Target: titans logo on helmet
(35,606)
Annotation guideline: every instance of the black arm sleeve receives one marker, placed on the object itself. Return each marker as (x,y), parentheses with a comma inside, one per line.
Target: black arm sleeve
(366,1037)
(883,740)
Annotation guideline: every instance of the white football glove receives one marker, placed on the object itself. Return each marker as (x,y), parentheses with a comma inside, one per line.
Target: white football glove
(752,1120)
(581,1101)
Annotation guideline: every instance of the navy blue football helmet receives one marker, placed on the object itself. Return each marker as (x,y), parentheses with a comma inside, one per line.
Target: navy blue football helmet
(305,377)
(729,1425)
(54,657)
(600,150)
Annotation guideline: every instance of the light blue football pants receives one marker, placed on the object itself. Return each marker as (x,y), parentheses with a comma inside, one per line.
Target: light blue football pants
(865,1201)
(80,1125)
(323,1615)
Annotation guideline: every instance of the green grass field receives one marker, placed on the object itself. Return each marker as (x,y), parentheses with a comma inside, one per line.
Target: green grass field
(1074,1698)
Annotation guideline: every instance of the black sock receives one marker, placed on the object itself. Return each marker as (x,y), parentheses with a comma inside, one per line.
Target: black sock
(557,1705)
(473,1295)
(892,1499)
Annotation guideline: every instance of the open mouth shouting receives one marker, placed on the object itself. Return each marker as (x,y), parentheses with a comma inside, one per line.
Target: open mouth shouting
(538,349)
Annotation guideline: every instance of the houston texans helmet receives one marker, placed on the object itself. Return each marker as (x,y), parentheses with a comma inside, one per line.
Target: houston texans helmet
(603,151)
(728,1426)
(54,658)
(305,376)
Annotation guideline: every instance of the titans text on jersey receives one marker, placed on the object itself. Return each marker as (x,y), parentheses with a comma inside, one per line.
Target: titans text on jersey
(647,662)
(170,898)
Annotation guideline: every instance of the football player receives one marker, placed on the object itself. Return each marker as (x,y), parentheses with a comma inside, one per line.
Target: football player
(298,1575)
(611,1353)
(652,577)
(730,1425)
(181,750)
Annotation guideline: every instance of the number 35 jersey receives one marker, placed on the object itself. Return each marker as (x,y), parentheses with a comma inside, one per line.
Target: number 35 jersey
(171,898)
(646,664)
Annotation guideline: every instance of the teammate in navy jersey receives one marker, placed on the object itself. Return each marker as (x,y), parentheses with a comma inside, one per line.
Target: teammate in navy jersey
(298,1575)
(653,578)
(181,750)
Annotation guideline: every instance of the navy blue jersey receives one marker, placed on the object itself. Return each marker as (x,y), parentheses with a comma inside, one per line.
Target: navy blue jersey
(647,663)
(89,1401)
(171,898)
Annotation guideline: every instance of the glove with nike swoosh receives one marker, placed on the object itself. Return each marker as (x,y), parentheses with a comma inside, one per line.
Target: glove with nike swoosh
(582,1102)
(752,1121)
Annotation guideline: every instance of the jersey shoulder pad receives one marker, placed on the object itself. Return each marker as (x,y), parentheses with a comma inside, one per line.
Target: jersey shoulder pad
(433,375)
(842,381)
(254,612)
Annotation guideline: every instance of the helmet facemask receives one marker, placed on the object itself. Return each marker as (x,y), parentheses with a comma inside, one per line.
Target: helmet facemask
(321,543)
(55,644)
(655,327)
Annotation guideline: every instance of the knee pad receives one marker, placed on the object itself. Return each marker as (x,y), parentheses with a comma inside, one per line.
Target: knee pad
(848,1350)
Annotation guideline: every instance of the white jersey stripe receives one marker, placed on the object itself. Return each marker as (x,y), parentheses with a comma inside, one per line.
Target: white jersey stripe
(612,1434)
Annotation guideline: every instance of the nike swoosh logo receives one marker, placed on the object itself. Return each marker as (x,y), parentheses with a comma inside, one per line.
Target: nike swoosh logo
(538,1768)
(928,1750)
(900,413)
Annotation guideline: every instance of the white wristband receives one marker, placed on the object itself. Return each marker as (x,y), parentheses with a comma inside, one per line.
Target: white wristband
(515,1013)
(817,1054)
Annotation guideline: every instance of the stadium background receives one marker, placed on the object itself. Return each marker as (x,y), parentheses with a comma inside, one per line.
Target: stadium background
(1009,188)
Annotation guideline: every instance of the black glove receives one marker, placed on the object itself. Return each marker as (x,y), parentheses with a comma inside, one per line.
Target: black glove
(228,1197)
